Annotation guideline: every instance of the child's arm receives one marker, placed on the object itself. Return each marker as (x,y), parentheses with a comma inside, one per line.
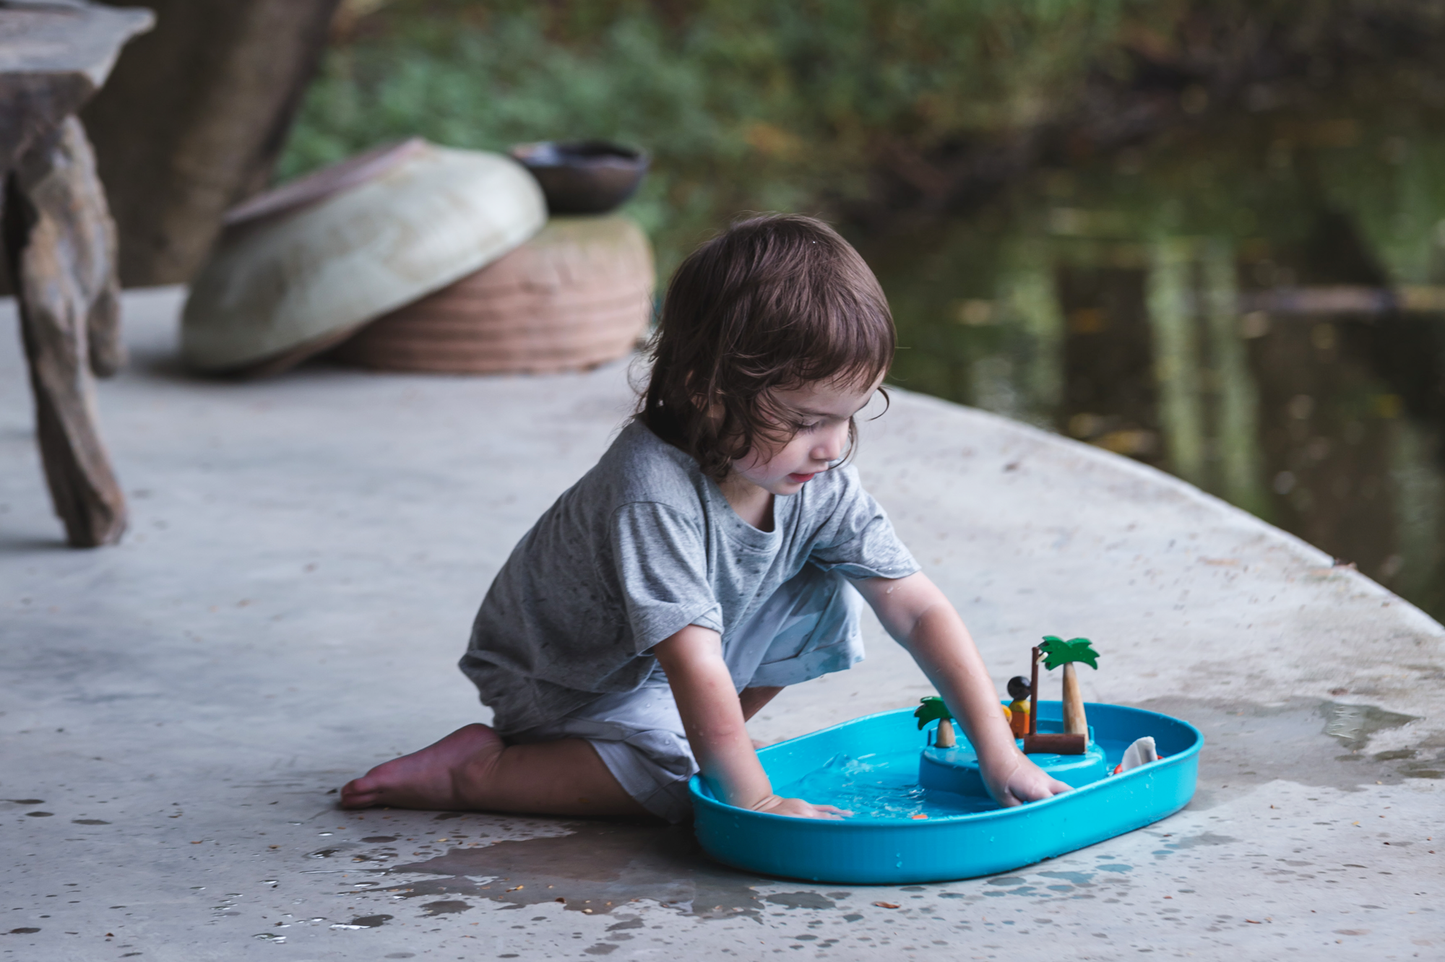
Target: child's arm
(916,613)
(713,719)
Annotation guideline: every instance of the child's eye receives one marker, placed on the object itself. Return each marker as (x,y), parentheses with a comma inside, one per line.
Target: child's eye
(807,425)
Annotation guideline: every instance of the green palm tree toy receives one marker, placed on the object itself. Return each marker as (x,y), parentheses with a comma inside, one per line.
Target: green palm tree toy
(1068,653)
(933,709)
(1055,652)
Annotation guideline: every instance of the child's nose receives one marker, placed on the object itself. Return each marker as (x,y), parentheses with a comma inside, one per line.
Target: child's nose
(833,443)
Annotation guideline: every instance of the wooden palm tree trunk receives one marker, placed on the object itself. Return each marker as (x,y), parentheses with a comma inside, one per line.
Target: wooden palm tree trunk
(1074,721)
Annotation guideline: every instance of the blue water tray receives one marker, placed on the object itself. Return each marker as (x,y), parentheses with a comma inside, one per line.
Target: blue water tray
(963,835)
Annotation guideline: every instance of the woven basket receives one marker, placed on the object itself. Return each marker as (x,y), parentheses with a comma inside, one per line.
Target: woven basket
(577,294)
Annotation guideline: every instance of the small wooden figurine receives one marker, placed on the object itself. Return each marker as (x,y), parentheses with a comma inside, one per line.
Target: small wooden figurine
(1019,713)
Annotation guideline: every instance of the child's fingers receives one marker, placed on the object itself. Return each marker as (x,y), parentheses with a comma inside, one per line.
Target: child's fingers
(798,808)
(809,810)
(1025,782)
(1035,790)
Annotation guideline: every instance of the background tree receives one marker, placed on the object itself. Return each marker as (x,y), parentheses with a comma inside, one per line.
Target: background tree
(194,118)
(880,114)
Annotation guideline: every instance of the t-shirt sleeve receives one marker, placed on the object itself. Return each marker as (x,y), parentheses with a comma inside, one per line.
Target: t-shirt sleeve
(661,559)
(857,539)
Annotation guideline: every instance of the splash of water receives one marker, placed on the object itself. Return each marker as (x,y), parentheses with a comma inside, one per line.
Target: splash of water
(881,786)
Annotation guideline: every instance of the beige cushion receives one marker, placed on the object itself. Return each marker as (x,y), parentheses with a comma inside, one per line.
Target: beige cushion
(283,286)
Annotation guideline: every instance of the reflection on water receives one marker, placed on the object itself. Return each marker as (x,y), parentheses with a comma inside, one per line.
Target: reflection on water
(1256,305)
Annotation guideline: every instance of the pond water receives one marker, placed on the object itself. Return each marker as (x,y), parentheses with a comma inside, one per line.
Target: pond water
(1255,303)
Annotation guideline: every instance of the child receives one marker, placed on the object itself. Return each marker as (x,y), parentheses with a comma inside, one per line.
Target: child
(714,555)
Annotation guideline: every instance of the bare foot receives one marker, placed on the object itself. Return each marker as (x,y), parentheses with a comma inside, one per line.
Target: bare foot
(429,778)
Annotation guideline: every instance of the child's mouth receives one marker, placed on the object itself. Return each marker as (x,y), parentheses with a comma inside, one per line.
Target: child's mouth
(801,478)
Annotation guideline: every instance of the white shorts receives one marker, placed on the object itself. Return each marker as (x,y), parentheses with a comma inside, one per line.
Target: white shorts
(809,627)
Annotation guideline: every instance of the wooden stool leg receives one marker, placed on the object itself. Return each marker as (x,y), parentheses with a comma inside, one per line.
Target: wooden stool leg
(61,243)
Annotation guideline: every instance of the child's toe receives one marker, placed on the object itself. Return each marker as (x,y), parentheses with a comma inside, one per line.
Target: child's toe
(357,794)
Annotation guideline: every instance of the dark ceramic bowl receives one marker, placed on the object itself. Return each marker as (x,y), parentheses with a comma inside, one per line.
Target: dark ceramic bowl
(583,176)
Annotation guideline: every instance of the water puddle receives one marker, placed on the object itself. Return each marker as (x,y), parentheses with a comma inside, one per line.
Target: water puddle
(1250,744)
(597,868)
(364,922)
(1354,724)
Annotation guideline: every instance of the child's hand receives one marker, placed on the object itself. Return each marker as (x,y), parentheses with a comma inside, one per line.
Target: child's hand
(797,808)
(1019,780)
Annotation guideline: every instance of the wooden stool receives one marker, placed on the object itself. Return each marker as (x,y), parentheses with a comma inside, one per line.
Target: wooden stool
(60,245)
(577,294)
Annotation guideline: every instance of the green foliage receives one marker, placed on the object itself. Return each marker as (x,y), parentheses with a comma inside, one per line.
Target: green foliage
(745,105)
(932,709)
(759,105)
(1059,652)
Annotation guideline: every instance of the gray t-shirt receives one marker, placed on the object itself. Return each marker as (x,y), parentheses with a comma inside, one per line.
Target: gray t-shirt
(642,546)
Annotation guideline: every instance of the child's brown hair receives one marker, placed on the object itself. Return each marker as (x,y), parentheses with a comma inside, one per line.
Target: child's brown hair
(773,302)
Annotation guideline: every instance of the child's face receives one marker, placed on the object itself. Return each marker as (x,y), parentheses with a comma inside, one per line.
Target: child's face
(818,415)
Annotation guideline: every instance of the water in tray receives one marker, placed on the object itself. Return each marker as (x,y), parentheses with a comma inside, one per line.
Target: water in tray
(880,786)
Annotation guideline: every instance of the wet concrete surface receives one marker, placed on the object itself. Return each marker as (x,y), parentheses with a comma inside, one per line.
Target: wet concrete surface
(595,868)
(304,561)
(1305,741)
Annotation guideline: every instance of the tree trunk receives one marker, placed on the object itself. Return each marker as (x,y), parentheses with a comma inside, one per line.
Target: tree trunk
(1074,721)
(193,119)
(945,738)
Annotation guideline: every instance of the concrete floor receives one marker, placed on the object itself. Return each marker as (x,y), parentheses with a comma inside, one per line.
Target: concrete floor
(305,558)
